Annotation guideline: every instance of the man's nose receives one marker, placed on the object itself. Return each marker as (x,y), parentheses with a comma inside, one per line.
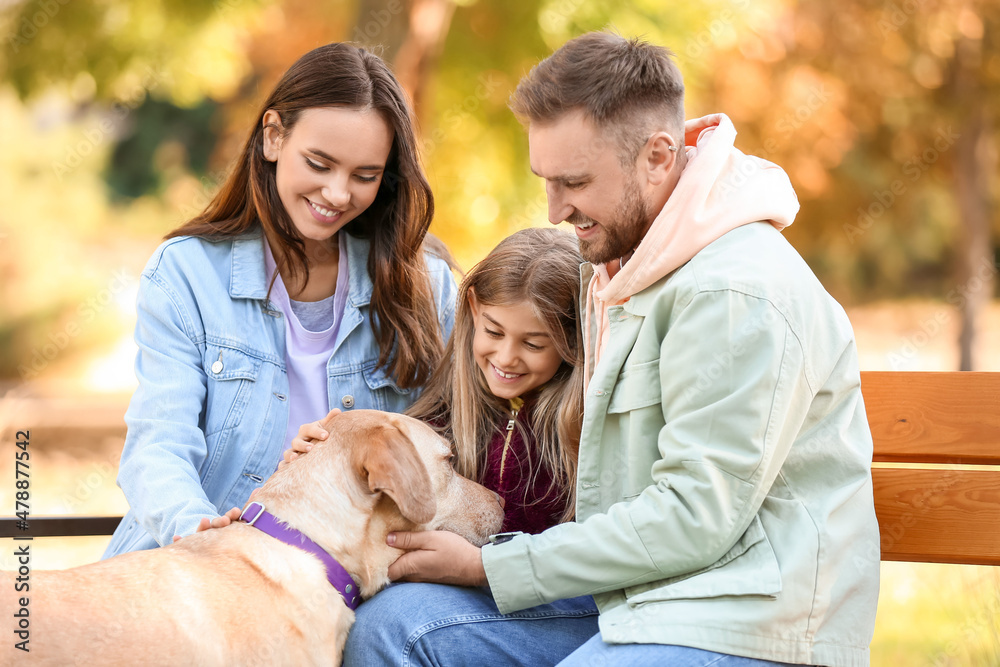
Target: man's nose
(559,209)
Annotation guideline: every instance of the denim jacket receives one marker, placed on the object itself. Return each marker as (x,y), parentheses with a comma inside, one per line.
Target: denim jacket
(206,425)
(724,492)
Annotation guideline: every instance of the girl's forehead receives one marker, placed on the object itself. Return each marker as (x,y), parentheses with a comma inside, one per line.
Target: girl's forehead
(520,314)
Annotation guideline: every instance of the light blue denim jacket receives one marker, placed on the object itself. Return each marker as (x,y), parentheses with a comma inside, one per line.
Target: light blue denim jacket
(207,424)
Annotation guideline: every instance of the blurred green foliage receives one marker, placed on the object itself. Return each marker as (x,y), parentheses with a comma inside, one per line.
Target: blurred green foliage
(162,139)
(122,116)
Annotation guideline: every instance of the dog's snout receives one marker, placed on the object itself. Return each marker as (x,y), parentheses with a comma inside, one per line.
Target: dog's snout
(500,500)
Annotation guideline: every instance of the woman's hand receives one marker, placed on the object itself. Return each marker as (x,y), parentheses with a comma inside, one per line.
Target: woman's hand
(308,434)
(436,556)
(217,522)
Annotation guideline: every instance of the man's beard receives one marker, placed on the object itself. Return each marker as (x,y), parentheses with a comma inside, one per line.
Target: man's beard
(622,234)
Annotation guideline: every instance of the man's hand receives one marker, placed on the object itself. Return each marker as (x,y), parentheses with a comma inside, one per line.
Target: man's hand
(436,556)
(217,522)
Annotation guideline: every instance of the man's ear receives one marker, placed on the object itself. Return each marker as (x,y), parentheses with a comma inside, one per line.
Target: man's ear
(391,465)
(273,132)
(659,156)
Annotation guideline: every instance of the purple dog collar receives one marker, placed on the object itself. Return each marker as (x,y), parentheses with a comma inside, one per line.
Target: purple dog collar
(254,515)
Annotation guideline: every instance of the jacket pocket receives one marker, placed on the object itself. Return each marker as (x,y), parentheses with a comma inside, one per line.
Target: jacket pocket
(386,394)
(750,568)
(231,374)
(637,387)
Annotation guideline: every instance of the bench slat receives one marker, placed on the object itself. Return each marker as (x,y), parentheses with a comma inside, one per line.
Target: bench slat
(57,526)
(934,417)
(938,516)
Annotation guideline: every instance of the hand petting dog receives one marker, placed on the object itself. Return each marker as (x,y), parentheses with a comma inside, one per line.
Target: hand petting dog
(302,443)
(307,435)
(438,557)
(218,522)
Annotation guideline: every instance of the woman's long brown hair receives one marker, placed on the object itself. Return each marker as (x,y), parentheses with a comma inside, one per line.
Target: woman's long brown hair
(404,317)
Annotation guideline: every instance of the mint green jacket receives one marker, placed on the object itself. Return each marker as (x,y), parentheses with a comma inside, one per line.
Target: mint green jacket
(724,487)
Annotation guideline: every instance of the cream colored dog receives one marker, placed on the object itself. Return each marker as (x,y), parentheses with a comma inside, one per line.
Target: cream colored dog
(236,596)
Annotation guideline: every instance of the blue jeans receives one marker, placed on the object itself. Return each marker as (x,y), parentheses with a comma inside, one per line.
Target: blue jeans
(449,626)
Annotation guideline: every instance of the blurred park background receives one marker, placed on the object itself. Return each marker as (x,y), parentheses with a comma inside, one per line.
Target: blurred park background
(118,120)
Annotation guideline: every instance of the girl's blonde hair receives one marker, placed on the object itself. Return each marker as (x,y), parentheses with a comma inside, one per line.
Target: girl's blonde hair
(540,267)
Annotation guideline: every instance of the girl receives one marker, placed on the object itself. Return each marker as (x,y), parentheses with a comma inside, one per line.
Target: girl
(302,286)
(509,393)
(510,396)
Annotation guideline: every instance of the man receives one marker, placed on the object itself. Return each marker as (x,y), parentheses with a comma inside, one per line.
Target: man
(724,509)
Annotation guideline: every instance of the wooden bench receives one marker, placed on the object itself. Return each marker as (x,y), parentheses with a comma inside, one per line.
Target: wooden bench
(936,466)
(936,469)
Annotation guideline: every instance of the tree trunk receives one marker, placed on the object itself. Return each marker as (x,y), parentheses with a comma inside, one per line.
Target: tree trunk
(412,34)
(975,161)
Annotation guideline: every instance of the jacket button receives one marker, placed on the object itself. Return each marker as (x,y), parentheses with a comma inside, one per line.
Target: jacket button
(348,401)
(217,367)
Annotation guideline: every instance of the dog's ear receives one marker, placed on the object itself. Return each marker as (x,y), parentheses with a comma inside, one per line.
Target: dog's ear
(391,463)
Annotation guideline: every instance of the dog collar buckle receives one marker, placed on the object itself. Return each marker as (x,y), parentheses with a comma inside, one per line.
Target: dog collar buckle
(255,515)
(254,509)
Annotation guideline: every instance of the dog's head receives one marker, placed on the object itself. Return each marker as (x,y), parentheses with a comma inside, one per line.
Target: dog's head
(376,473)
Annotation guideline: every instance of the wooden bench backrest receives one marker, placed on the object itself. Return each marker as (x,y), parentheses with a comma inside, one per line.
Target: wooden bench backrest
(936,466)
(936,469)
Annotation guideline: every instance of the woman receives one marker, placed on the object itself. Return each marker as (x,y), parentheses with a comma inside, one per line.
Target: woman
(303,286)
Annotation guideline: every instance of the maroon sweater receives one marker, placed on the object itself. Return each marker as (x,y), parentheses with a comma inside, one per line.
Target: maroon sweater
(527,509)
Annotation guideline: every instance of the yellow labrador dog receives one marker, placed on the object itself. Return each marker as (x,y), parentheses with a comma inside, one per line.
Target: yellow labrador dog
(238,596)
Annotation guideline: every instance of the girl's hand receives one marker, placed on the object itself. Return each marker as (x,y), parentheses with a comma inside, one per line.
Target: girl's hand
(436,556)
(308,434)
(217,522)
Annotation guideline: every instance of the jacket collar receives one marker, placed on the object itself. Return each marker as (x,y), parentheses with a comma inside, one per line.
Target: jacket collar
(638,304)
(248,279)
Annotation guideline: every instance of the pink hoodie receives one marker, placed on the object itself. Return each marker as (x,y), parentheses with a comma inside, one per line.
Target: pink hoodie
(720,189)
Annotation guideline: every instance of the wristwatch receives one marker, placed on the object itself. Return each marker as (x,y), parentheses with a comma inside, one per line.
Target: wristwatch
(500,538)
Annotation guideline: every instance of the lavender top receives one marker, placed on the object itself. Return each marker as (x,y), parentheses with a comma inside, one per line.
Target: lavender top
(308,347)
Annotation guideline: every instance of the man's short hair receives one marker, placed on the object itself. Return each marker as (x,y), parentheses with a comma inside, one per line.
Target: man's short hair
(628,87)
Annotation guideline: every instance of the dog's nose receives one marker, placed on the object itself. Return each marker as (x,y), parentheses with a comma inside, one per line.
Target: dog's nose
(500,500)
